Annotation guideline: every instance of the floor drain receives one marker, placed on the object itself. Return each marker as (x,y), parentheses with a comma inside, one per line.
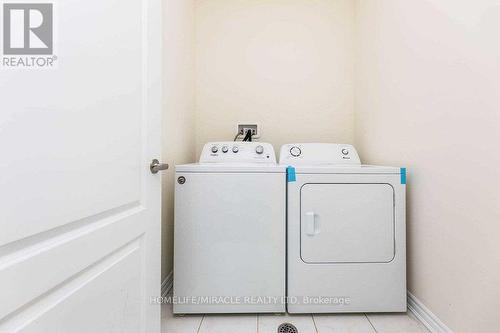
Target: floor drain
(287,328)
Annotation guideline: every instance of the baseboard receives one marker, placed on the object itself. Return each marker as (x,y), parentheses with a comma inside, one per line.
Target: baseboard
(425,316)
(167,284)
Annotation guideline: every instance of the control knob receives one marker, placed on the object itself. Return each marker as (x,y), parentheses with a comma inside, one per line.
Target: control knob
(215,149)
(259,149)
(295,151)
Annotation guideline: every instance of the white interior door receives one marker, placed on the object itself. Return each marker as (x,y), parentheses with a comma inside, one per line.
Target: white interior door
(80,210)
(345,223)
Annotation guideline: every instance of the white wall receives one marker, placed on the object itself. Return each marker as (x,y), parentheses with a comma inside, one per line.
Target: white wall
(178,117)
(428,97)
(287,64)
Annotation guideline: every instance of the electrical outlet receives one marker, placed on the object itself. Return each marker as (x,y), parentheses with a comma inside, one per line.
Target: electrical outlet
(242,128)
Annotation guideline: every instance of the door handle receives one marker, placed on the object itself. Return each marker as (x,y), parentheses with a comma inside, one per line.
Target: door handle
(312,227)
(156,166)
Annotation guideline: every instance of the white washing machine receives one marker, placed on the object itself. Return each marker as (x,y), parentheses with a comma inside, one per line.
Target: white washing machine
(229,238)
(346,232)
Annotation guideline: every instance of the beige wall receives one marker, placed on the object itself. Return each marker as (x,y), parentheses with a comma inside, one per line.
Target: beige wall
(426,77)
(178,107)
(286,64)
(428,97)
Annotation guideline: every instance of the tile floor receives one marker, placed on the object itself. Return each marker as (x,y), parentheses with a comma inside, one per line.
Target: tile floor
(346,323)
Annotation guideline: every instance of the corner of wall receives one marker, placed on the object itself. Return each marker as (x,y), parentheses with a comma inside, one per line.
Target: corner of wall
(178,121)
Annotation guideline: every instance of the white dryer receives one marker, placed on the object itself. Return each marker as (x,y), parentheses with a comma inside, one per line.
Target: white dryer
(346,231)
(229,238)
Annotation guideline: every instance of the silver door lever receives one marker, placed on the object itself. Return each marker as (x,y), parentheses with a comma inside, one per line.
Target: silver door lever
(156,166)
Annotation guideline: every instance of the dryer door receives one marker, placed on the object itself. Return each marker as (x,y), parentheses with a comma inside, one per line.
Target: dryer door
(346,223)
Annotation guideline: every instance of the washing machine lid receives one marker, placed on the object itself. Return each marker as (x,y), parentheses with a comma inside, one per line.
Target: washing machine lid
(235,157)
(230,168)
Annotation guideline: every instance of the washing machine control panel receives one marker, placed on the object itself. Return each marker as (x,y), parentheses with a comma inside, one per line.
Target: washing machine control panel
(319,154)
(238,152)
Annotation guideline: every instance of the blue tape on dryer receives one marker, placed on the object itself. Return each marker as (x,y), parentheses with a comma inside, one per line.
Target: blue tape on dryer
(403,176)
(290,174)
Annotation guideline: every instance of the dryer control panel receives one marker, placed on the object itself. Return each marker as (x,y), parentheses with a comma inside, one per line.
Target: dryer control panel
(238,152)
(319,154)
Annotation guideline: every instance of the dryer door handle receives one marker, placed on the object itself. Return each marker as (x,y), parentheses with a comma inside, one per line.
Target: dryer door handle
(312,226)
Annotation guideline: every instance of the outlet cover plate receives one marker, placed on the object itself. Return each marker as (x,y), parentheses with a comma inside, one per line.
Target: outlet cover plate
(244,126)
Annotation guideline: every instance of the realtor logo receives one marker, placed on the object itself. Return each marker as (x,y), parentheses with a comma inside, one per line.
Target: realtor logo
(27,28)
(28,36)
